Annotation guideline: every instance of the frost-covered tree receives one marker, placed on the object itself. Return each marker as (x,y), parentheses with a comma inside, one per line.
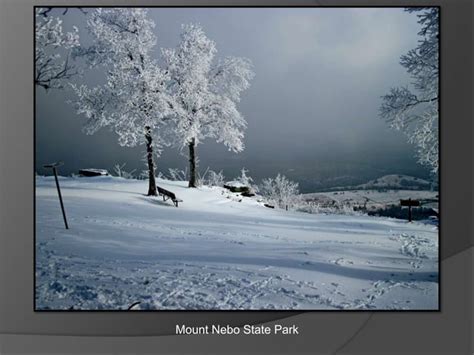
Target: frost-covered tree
(53,50)
(280,191)
(415,109)
(206,93)
(133,99)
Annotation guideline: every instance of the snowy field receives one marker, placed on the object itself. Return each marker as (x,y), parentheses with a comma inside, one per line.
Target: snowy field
(221,251)
(374,198)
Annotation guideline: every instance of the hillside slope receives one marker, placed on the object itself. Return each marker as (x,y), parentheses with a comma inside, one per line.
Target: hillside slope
(404,182)
(221,251)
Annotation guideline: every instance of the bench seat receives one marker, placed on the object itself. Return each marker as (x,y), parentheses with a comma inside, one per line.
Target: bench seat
(168,195)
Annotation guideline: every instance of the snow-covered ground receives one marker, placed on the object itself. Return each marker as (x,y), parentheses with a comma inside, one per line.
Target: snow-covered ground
(374,198)
(218,250)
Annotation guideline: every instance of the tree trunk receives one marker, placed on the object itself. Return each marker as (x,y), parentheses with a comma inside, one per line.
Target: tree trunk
(151,164)
(192,163)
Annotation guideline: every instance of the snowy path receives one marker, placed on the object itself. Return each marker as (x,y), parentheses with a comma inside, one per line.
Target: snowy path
(215,252)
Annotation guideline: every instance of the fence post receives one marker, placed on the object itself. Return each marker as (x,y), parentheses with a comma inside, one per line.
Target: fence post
(54,167)
(409,210)
(410,203)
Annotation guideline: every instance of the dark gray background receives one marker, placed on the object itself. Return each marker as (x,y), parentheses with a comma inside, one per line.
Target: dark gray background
(23,331)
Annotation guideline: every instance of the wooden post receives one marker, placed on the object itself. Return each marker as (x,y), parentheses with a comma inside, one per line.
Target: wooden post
(409,211)
(409,203)
(54,166)
(60,197)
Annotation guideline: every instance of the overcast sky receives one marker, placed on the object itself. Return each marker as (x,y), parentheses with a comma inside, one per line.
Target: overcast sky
(312,107)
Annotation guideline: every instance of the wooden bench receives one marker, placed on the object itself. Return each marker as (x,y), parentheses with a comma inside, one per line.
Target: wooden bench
(168,195)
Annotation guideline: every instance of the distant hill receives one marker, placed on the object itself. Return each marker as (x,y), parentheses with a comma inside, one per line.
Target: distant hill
(396,182)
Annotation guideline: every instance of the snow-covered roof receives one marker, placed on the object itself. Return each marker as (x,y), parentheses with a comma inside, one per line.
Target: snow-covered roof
(235,184)
(97,171)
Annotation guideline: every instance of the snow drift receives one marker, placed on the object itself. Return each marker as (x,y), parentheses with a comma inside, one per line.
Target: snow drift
(218,250)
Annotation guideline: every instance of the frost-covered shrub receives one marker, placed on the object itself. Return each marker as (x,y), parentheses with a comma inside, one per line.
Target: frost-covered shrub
(177,174)
(244,179)
(144,175)
(280,191)
(247,181)
(213,179)
(121,172)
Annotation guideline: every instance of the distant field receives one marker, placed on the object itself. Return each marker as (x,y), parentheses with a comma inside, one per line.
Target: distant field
(373,199)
